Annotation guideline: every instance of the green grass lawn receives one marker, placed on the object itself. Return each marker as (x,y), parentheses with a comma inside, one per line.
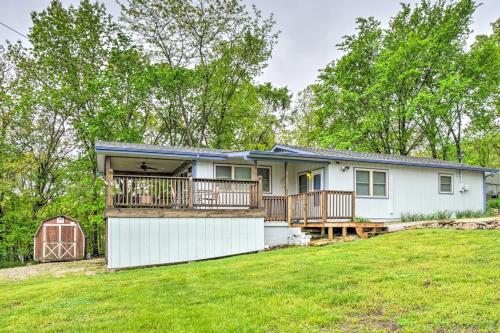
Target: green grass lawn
(420,280)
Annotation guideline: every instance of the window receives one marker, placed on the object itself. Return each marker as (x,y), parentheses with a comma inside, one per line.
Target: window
(371,183)
(223,172)
(265,173)
(317,182)
(241,172)
(445,184)
(303,183)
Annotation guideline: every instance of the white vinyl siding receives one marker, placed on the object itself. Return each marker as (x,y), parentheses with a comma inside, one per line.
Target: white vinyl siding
(371,183)
(153,241)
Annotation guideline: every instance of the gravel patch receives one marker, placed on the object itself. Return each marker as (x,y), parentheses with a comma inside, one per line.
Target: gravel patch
(82,267)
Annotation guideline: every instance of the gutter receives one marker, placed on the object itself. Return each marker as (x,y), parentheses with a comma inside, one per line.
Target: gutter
(368,160)
(162,153)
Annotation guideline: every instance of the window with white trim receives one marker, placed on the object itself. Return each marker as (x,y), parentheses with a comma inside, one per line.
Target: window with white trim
(243,172)
(265,173)
(445,184)
(371,183)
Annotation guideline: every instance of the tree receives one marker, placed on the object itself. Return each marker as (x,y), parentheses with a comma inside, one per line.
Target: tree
(414,87)
(205,57)
(97,75)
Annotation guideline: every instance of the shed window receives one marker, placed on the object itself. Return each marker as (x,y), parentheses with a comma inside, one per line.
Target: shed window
(445,184)
(371,183)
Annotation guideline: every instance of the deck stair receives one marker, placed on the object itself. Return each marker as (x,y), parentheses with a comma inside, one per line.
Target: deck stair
(315,233)
(367,232)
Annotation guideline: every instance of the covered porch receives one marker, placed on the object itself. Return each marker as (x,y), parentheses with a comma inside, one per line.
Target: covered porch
(290,188)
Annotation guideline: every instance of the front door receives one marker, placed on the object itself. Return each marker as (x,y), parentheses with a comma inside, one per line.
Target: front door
(311,181)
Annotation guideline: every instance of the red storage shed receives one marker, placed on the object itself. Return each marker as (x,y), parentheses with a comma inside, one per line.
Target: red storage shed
(59,239)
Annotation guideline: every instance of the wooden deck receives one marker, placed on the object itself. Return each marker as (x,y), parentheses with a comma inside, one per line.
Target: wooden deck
(181,193)
(166,196)
(311,209)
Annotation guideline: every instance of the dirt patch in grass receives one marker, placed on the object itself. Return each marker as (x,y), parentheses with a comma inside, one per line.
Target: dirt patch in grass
(82,267)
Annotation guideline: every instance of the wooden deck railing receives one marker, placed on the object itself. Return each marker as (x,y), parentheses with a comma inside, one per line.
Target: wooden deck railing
(276,207)
(141,191)
(311,207)
(133,191)
(321,206)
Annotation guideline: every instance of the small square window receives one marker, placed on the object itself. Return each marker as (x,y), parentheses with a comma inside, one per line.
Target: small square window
(223,172)
(446,184)
(242,173)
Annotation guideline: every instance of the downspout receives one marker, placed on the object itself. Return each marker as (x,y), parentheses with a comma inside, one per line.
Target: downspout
(484,192)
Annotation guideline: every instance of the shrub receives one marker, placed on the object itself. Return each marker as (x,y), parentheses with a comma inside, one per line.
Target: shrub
(469,213)
(493,203)
(360,219)
(412,217)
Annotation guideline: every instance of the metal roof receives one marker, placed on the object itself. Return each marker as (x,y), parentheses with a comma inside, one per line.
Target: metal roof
(141,148)
(278,152)
(348,155)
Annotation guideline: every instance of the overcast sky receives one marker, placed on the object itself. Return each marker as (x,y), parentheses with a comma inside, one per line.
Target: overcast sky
(309,29)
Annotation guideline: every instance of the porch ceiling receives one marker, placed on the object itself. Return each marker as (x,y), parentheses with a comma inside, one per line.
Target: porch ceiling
(131,164)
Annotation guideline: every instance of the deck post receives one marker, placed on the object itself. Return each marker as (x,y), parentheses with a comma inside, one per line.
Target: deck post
(344,233)
(260,192)
(304,196)
(109,181)
(330,233)
(323,206)
(286,178)
(190,192)
(289,215)
(353,206)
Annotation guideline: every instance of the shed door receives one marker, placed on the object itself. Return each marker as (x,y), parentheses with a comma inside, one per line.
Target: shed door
(59,242)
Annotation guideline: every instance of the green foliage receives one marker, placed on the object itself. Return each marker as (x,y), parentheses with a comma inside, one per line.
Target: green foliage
(414,87)
(85,78)
(473,213)
(493,203)
(413,281)
(445,215)
(361,219)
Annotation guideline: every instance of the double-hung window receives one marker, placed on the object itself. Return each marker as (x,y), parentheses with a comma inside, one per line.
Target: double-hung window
(371,183)
(243,172)
(445,184)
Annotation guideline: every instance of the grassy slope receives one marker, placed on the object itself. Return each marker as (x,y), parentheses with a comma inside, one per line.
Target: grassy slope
(421,280)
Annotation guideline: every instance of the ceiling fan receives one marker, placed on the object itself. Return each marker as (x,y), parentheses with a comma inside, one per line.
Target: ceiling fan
(144,167)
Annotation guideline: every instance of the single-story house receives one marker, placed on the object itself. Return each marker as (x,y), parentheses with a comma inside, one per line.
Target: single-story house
(168,204)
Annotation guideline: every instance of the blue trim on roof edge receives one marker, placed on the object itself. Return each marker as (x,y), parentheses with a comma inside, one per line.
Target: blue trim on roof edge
(170,153)
(368,160)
